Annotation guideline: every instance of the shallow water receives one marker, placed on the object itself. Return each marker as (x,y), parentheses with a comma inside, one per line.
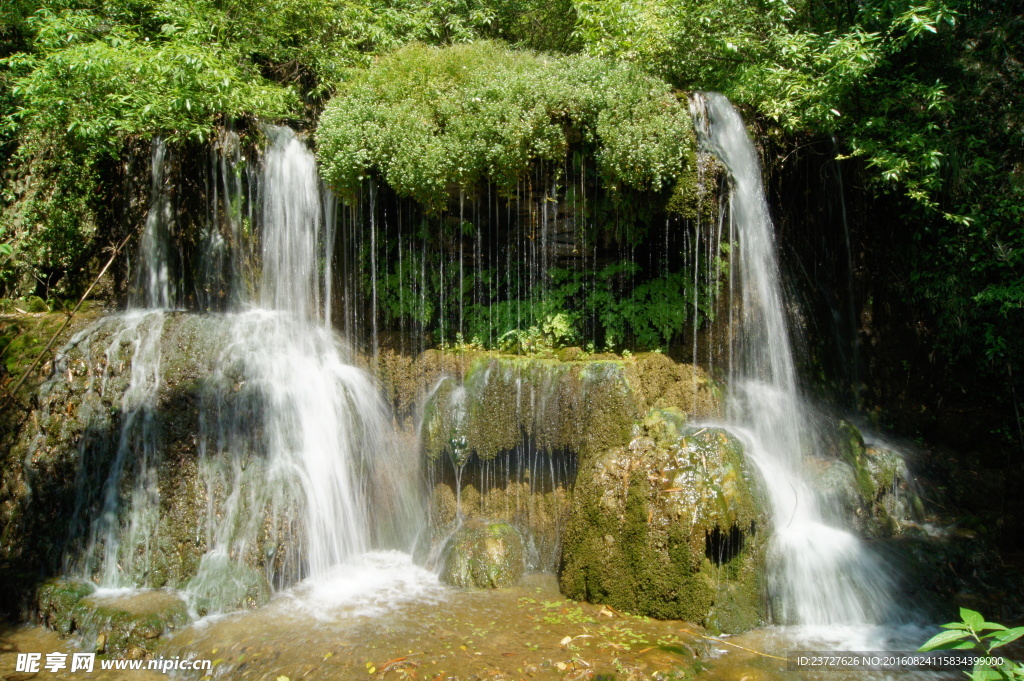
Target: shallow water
(380,616)
(401,623)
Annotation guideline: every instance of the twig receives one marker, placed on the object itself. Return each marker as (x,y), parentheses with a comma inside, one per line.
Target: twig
(749,650)
(14,391)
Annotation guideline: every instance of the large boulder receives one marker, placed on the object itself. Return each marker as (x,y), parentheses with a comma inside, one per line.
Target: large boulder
(870,484)
(671,526)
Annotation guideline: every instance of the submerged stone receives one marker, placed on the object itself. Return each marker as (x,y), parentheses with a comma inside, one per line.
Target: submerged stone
(487,555)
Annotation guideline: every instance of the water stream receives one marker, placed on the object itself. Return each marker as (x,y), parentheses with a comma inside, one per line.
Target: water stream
(822,574)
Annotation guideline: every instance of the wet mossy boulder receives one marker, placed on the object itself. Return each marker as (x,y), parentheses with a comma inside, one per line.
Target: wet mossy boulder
(176,487)
(122,625)
(130,625)
(869,483)
(481,403)
(671,526)
(56,600)
(487,555)
(511,431)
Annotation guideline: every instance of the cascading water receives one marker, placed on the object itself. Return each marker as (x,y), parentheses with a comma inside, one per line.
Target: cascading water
(153,277)
(821,574)
(296,466)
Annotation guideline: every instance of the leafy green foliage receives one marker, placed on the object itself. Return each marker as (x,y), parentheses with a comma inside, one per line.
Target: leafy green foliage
(975,634)
(427,119)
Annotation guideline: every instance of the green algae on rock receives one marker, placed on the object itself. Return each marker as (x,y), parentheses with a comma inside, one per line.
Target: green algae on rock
(670,526)
(487,555)
(503,435)
(119,625)
(586,406)
(871,483)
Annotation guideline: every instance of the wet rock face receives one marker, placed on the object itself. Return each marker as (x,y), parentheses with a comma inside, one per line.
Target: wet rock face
(486,555)
(869,483)
(670,526)
(503,436)
(120,626)
(124,480)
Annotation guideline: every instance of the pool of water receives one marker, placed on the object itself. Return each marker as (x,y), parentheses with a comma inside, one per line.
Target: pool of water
(382,617)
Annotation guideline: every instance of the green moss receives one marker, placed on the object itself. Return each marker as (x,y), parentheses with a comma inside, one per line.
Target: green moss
(642,519)
(118,626)
(56,600)
(487,555)
(129,626)
(586,407)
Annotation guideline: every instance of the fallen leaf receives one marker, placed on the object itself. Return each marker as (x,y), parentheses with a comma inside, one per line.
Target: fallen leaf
(565,641)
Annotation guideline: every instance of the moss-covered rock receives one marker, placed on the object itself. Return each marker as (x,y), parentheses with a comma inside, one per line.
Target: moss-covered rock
(102,432)
(870,484)
(118,625)
(487,555)
(504,435)
(56,600)
(670,526)
(128,626)
(586,406)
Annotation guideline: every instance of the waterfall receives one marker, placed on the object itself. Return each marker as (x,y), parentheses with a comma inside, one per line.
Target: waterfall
(153,277)
(296,466)
(292,220)
(820,574)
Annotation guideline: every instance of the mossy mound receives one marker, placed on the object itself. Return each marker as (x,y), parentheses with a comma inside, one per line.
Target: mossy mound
(503,436)
(871,484)
(586,405)
(120,626)
(129,626)
(487,555)
(56,600)
(669,526)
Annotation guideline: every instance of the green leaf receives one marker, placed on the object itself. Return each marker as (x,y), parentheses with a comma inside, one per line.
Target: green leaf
(972,618)
(1004,637)
(943,640)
